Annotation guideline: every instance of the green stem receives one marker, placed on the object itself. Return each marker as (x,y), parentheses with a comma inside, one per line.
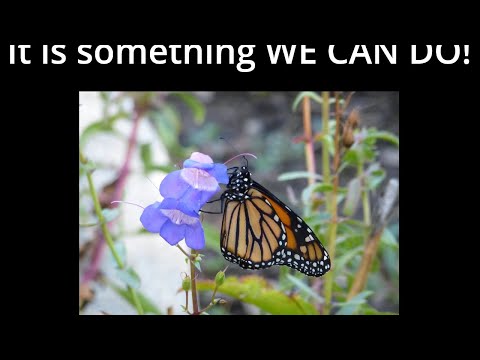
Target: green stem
(333,209)
(194,286)
(184,252)
(107,236)
(211,301)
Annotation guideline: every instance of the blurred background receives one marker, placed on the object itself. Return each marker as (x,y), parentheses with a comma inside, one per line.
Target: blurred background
(167,127)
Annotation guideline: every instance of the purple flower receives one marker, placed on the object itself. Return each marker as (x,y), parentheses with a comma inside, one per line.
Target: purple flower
(174,221)
(197,182)
(185,192)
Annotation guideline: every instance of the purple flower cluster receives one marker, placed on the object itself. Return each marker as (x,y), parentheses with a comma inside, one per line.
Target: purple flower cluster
(185,192)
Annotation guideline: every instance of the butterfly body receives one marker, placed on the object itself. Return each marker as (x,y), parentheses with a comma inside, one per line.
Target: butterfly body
(259,230)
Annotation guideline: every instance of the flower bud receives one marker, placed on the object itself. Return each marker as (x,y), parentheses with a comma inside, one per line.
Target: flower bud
(186,284)
(219,278)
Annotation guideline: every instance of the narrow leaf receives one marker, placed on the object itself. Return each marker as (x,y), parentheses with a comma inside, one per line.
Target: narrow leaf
(303,94)
(129,277)
(147,305)
(353,197)
(307,290)
(383,135)
(110,214)
(197,108)
(293,175)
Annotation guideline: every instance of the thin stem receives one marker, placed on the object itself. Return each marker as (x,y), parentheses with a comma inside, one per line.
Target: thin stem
(184,252)
(369,253)
(194,286)
(325,154)
(107,236)
(98,248)
(211,301)
(383,211)
(333,208)
(307,130)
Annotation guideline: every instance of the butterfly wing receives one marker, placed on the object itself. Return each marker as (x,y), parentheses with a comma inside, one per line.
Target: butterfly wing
(252,235)
(303,251)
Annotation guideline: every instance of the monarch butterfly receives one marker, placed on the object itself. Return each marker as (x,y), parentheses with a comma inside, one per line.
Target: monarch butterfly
(259,230)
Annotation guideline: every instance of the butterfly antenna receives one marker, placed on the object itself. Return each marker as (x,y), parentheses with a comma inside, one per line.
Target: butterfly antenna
(245,160)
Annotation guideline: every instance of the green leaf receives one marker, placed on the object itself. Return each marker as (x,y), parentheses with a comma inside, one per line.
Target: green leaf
(197,265)
(318,219)
(375,176)
(388,239)
(146,155)
(351,156)
(103,125)
(349,307)
(121,251)
(382,135)
(197,108)
(293,175)
(167,123)
(93,128)
(317,187)
(304,288)
(342,261)
(330,144)
(147,305)
(110,214)
(303,94)
(129,277)
(353,197)
(256,290)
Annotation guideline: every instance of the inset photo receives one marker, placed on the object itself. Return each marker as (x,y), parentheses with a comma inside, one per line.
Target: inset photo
(239,203)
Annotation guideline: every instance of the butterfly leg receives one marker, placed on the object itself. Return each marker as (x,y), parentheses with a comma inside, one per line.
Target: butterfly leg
(222,199)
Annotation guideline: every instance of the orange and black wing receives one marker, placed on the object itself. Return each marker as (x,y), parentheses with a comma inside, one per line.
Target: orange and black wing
(262,231)
(252,235)
(303,250)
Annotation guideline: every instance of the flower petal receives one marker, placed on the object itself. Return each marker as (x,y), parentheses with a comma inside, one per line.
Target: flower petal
(199,179)
(172,233)
(173,185)
(200,157)
(195,199)
(197,165)
(179,204)
(195,237)
(152,218)
(219,172)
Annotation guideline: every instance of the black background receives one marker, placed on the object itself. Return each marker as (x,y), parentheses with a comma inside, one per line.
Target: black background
(42,120)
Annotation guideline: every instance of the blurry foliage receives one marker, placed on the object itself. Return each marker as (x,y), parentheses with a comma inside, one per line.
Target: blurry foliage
(293,293)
